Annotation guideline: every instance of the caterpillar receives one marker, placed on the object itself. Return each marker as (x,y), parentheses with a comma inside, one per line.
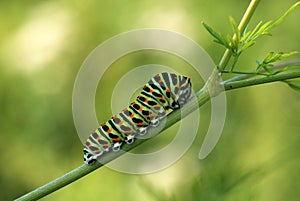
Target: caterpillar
(165,91)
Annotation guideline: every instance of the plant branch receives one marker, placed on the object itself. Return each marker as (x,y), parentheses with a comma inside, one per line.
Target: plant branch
(202,96)
(261,80)
(242,26)
(277,66)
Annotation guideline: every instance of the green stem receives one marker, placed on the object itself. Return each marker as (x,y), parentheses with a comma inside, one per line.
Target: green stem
(277,66)
(243,24)
(202,96)
(261,80)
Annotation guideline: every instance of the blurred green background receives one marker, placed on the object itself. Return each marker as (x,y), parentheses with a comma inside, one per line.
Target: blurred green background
(42,46)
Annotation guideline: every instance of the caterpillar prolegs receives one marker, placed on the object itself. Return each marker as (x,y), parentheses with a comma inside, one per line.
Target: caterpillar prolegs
(162,92)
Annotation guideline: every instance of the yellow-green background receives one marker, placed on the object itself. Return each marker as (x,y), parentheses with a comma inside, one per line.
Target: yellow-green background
(42,46)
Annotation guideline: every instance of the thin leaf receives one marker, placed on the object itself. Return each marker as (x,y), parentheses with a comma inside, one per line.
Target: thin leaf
(264,27)
(218,37)
(285,55)
(277,22)
(212,32)
(235,29)
(268,58)
(253,32)
(272,58)
(246,45)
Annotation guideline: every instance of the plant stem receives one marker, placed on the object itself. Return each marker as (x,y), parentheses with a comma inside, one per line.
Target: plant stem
(242,25)
(277,66)
(202,97)
(261,80)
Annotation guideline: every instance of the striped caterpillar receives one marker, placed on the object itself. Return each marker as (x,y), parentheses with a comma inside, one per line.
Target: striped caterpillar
(162,92)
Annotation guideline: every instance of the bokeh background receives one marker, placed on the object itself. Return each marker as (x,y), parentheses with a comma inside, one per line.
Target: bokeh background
(44,43)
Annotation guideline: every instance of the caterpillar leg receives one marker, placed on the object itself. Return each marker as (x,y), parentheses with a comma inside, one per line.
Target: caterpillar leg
(155,122)
(175,105)
(90,158)
(142,131)
(116,147)
(129,139)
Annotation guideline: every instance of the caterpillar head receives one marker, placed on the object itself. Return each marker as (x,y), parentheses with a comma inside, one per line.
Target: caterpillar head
(185,90)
